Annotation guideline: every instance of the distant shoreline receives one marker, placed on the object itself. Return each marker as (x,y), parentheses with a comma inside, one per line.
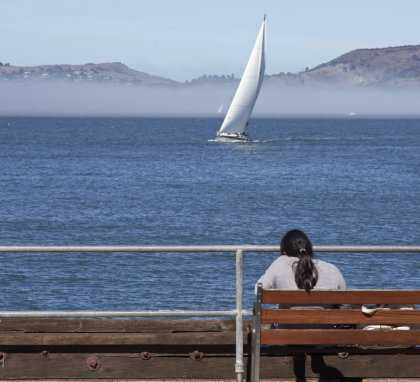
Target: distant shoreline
(392,67)
(218,118)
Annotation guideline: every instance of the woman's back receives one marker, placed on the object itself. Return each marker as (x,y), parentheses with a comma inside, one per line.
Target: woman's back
(281,275)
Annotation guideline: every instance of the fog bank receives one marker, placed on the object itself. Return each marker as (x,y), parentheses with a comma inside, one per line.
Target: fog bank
(92,99)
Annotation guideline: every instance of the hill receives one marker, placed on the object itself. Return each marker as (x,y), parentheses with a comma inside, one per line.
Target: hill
(113,72)
(380,67)
(397,67)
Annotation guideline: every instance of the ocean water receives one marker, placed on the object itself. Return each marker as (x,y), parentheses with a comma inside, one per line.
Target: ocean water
(161,181)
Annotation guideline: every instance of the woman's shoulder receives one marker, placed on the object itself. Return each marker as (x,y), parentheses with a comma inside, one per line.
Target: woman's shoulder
(326,265)
(283,261)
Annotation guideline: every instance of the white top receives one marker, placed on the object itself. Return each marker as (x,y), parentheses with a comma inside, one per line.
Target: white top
(280,275)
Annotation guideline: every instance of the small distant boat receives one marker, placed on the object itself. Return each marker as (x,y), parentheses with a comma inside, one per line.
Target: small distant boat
(237,117)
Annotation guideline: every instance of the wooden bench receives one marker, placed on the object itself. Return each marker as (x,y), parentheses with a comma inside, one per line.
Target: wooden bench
(342,328)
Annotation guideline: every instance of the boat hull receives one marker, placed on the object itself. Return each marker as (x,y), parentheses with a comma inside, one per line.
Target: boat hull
(234,138)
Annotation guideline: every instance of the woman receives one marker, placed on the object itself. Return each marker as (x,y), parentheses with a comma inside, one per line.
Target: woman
(296,268)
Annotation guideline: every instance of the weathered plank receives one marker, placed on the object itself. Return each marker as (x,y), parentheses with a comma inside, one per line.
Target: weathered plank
(340,337)
(337,316)
(116,339)
(298,297)
(132,366)
(99,325)
(116,366)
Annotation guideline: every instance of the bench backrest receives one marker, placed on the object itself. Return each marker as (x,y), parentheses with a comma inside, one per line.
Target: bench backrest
(400,319)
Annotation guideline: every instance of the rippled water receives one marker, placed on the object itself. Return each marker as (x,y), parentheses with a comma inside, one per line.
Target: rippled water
(161,181)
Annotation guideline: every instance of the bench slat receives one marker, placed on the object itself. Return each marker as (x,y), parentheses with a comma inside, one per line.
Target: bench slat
(299,297)
(339,337)
(339,316)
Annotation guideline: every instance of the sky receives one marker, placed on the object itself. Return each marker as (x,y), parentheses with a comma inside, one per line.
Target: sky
(184,39)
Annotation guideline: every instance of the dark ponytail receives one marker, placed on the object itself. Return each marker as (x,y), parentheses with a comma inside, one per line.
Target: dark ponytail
(296,244)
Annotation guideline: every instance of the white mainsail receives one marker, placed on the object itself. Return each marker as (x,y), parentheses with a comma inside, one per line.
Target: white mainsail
(246,95)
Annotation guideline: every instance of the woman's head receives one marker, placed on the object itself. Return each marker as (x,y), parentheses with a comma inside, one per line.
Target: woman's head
(295,243)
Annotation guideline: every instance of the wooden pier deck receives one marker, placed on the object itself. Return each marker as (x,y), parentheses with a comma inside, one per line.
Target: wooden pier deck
(139,349)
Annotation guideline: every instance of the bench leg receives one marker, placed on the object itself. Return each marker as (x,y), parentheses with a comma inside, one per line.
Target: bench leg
(256,338)
(255,351)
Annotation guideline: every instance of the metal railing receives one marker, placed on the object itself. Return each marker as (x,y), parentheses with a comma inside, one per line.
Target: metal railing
(237,250)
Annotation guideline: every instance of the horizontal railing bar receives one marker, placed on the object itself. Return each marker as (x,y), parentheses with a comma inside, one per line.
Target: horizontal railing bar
(205,248)
(140,249)
(114,314)
(368,248)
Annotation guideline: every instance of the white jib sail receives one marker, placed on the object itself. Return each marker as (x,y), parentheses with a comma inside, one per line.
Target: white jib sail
(246,95)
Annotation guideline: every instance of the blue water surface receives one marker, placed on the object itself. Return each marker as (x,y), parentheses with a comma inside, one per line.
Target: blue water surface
(163,181)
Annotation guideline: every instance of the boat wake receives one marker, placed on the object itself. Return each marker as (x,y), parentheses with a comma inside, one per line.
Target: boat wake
(250,141)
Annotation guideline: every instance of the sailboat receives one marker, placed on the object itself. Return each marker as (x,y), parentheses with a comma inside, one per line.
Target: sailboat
(234,126)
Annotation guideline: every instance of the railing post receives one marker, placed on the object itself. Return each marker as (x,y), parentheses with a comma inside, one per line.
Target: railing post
(239,363)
